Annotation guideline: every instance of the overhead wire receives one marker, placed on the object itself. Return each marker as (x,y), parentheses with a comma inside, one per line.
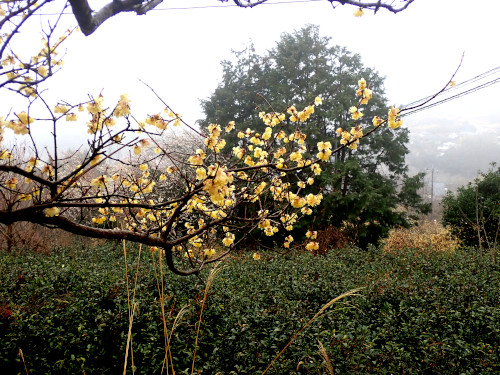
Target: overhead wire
(461,88)
(219,6)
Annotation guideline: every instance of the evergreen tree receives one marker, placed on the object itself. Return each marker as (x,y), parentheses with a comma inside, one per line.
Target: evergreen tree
(473,213)
(362,187)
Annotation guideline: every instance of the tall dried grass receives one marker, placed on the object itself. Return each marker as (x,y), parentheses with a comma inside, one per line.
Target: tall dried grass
(426,237)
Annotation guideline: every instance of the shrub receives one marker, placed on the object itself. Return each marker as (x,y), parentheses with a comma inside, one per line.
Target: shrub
(427,236)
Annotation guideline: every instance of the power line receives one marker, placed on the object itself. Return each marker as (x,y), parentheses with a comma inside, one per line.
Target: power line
(220,6)
(461,88)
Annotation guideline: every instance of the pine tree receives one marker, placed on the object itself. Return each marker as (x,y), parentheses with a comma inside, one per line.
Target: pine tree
(362,186)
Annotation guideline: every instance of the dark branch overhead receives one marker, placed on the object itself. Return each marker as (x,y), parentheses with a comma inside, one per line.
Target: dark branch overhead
(89,20)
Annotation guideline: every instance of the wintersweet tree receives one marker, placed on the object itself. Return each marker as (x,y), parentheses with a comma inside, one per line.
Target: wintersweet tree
(120,188)
(128,185)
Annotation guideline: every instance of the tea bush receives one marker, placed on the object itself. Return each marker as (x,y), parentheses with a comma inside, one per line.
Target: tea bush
(436,313)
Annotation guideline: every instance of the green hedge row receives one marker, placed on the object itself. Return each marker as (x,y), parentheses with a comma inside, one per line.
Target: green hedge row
(68,314)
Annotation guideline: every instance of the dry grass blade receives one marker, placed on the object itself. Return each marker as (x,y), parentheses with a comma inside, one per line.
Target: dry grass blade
(324,355)
(24,363)
(132,306)
(326,306)
(210,280)
(175,324)
(129,338)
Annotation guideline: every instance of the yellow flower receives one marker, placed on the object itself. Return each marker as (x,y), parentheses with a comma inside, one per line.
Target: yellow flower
(209,252)
(324,155)
(24,118)
(267,133)
(314,200)
(51,212)
(100,182)
(377,121)
(11,183)
(297,201)
(201,173)
(4,154)
(71,117)
(195,160)
(396,123)
(318,101)
(228,240)
(230,126)
(42,71)
(367,95)
(355,113)
(322,146)
(312,246)
(25,197)
(316,169)
(392,118)
(95,106)
(60,109)
(359,12)
(123,106)
(311,234)
(256,256)
(96,159)
(306,210)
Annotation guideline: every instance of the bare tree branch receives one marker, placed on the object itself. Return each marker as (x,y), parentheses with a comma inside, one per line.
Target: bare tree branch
(89,21)
(373,5)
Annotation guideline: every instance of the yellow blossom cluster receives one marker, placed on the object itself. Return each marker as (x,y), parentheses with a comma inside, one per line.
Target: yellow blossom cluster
(325,150)
(364,92)
(20,126)
(351,137)
(311,246)
(218,185)
(301,116)
(123,106)
(393,119)
(272,119)
(27,72)
(213,140)
(288,241)
(312,235)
